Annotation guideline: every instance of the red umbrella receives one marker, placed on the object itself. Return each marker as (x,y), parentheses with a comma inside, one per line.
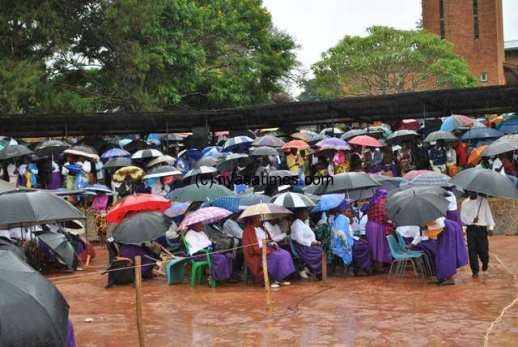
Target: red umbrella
(136,203)
(365,140)
(298,144)
(410,175)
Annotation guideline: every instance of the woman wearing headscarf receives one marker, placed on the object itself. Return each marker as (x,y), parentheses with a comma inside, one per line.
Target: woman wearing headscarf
(377,228)
(279,262)
(346,246)
(305,243)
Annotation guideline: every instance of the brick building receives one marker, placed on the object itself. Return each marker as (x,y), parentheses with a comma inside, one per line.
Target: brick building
(475,27)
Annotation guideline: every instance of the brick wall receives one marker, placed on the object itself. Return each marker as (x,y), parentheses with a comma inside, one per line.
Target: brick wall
(505,213)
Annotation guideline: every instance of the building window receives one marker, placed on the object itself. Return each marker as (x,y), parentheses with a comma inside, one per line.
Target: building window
(476,28)
(441,19)
(483,77)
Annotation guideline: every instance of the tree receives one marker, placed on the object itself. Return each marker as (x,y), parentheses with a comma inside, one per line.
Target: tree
(388,61)
(149,55)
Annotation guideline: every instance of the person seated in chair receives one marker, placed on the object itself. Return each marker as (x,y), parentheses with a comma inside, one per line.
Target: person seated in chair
(198,243)
(305,243)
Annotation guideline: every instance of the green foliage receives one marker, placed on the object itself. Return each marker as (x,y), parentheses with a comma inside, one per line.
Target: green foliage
(139,55)
(388,61)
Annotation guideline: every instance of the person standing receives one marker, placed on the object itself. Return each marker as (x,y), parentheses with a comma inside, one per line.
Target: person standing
(476,215)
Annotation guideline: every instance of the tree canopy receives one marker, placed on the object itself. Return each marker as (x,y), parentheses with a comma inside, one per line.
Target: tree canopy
(139,55)
(387,61)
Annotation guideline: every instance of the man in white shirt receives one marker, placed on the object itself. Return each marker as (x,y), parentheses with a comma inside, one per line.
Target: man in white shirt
(476,215)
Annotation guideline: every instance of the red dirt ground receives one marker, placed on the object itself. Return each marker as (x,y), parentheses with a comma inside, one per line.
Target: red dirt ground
(344,311)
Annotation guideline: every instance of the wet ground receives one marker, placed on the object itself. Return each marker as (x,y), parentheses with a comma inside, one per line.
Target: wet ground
(344,311)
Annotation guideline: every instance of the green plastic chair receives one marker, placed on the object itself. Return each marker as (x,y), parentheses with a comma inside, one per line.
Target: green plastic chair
(198,267)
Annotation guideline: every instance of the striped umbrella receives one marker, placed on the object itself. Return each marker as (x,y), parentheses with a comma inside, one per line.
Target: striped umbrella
(266,211)
(237,141)
(431,179)
(293,200)
(146,154)
(204,215)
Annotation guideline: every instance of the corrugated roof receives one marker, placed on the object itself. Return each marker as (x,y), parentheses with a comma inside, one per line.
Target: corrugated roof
(511,45)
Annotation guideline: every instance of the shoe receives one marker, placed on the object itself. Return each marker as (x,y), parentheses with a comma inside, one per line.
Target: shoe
(304,274)
(274,285)
(484,267)
(475,275)
(447,282)
(285,283)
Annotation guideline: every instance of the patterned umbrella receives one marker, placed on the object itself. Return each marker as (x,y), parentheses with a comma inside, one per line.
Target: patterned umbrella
(366,141)
(440,135)
(146,154)
(230,203)
(269,141)
(293,200)
(237,141)
(134,172)
(204,215)
(431,179)
(297,144)
(334,143)
(266,211)
(328,202)
(115,153)
(456,121)
(136,203)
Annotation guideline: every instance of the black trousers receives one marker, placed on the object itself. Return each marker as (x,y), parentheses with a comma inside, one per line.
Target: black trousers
(478,246)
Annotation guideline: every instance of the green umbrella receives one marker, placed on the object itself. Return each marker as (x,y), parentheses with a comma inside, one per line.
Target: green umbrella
(199,192)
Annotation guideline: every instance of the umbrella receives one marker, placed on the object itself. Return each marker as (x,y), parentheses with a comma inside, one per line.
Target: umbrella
(410,175)
(476,155)
(416,207)
(10,245)
(508,138)
(269,141)
(263,151)
(83,151)
(6,186)
(431,179)
(328,202)
(236,142)
(481,133)
(456,121)
(207,162)
(14,151)
(134,172)
(204,215)
(509,126)
(295,144)
(266,211)
(282,174)
(136,203)
(293,200)
(194,192)
(303,136)
(136,145)
(346,182)
(141,227)
(487,182)
(500,147)
(253,199)
(34,313)
(51,147)
(331,131)
(231,161)
(365,140)
(212,151)
(390,183)
(60,247)
(163,159)
(230,203)
(191,153)
(435,136)
(115,153)
(146,154)
(334,143)
(124,142)
(178,208)
(99,188)
(202,170)
(163,171)
(401,135)
(352,133)
(316,139)
(171,138)
(116,163)
(30,207)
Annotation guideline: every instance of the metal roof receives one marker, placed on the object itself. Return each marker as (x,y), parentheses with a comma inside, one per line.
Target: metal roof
(511,45)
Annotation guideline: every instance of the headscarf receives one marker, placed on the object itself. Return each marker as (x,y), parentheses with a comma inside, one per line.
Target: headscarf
(380,194)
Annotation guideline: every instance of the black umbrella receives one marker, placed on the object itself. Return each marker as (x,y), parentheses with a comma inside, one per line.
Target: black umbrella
(51,147)
(60,246)
(141,227)
(499,147)
(82,151)
(416,207)
(30,207)
(345,182)
(390,183)
(208,161)
(487,182)
(34,313)
(263,151)
(116,163)
(14,151)
(401,135)
(8,245)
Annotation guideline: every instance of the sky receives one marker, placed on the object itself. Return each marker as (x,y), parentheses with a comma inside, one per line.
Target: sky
(318,25)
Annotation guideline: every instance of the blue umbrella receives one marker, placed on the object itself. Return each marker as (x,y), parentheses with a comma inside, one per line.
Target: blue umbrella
(211,151)
(229,203)
(98,188)
(115,153)
(124,142)
(328,202)
(237,144)
(509,126)
(193,154)
(253,199)
(481,133)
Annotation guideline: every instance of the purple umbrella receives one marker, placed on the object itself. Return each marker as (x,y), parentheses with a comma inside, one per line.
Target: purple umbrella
(115,153)
(334,143)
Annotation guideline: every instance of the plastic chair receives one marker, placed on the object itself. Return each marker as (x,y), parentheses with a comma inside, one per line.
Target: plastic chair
(198,267)
(174,270)
(401,258)
(422,257)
